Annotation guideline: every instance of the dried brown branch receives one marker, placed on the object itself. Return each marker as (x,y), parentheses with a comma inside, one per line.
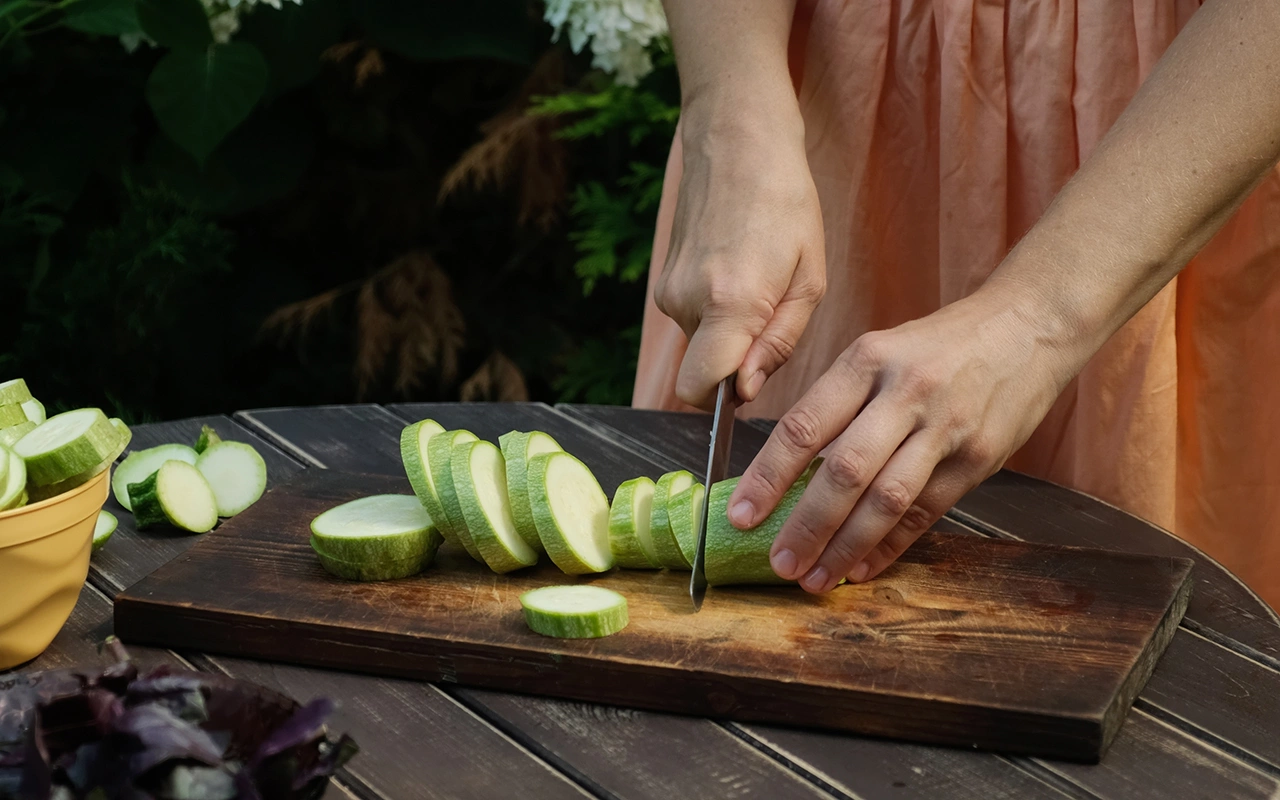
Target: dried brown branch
(498,379)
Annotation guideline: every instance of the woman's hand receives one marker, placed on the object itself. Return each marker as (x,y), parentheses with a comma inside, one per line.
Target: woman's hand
(915,417)
(746,263)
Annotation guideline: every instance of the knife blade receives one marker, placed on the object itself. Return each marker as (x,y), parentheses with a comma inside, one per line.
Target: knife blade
(717,470)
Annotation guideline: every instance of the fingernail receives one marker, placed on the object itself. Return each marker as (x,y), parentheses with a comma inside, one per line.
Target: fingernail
(859,573)
(742,514)
(755,383)
(784,564)
(817,579)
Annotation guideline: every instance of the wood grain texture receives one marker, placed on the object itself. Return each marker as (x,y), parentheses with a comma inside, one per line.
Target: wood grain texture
(584,740)
(971,641)
(390,721)
(1007,504)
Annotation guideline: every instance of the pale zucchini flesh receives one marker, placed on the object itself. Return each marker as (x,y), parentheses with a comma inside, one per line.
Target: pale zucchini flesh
(103,528)
(140,464)
(236,473)
(176,493)
(517,448)
(571,512)
(13,490)
(574,612)
(480,479)
(380,535)
(34,410)
(440,462)
(685,513)
(629,518)
(664,539)
(67,445)
(38,493)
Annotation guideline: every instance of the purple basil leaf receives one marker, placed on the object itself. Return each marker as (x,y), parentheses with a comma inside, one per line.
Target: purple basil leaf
(17,710)
(72,720)
(184,695)
(164,736)
(245,788)
(37,777)
(197,783)
(305,725)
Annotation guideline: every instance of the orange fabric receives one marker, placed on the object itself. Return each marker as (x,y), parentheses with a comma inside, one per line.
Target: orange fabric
(937,132)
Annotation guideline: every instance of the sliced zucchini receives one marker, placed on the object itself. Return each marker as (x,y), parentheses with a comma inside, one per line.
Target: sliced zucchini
(571,513)
(574,612)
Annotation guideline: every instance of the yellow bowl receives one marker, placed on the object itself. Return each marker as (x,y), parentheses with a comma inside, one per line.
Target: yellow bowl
(44,560)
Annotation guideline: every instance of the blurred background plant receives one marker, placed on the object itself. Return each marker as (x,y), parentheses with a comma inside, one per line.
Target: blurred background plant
(217,204)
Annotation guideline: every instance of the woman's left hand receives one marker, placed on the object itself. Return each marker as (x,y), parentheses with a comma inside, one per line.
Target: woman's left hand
(915,416)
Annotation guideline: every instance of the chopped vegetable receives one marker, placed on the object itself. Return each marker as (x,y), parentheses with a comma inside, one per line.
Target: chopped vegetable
(629,518)
(440,462)
(13,492)
(574,612)
(236,473)
(142,463)
(208,437)
(69,444)
(103,528)
(176,493)
(480,479)
(571,513)
(736,556)
(381,537)
(517,448)
(685,514)
(664,539)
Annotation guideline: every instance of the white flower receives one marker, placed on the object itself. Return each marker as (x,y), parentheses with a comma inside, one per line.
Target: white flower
(620,32)
(224,15)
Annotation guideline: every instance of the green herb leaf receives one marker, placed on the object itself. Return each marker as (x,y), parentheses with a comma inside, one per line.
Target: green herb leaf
(104,17)
(200,97)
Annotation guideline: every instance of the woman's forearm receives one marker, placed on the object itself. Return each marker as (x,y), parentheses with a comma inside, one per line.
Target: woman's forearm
(732,59)
(1200,134)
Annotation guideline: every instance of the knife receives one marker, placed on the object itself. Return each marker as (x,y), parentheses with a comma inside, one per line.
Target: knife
(717,470)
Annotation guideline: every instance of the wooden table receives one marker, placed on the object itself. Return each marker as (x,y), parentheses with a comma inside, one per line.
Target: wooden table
(1207,725)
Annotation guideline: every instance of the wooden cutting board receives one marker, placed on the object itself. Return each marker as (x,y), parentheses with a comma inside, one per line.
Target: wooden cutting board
(966,641)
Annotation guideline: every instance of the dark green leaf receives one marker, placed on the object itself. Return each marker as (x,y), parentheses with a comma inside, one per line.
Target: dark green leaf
(8,7)
(292,39)
(498,29)
(200,97)
(104,17)
(180,24)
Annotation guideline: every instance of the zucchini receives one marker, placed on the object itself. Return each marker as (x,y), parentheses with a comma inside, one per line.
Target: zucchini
(38,493)
(517,448)
(34,411)
(176,493)
(12,414)
(68,445)
(103,528)
(629,518)
(380,537)
(414,440)
(14,392)
(10,436)
(571,513)
(574,612)
(142,463)
(685,513)
(736,556)
(13,492)
(236,473)
(480,480)
(440,462)
(208,437)
(664,539)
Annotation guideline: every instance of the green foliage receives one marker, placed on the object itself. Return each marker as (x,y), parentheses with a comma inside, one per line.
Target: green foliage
(200,96)
(158,203)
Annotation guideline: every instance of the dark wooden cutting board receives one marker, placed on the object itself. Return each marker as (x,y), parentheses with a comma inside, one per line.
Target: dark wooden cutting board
(966,641)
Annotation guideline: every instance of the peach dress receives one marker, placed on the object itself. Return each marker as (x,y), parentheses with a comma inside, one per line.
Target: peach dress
(937,132)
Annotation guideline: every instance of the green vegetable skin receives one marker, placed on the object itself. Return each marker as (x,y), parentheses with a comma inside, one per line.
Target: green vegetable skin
(375,538)
(574,612)
(629,519)
(742,557)
(664,539)
(480,479)
(176,493)
(68,445)
(517,448)
(440,462)
(685,513)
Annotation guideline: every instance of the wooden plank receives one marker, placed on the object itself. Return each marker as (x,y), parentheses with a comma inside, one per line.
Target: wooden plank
(131,553)
(1152,761)
(585,742)
(389,721)
(1007,504)
(967,640)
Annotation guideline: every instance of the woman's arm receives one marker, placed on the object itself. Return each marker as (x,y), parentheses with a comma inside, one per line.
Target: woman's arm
(746,263)
(918,415)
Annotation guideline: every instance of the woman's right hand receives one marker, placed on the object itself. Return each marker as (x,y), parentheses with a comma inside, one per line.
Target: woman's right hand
(746,263)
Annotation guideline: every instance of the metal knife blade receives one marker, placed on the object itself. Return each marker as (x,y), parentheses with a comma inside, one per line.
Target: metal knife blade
(717,470)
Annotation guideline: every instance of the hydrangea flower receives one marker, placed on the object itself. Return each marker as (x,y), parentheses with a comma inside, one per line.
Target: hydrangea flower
(620,32)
